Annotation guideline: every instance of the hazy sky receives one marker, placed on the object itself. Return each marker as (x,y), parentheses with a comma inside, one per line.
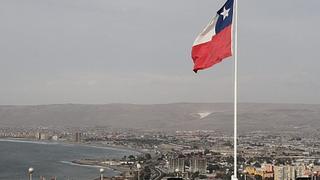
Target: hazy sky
(138,51)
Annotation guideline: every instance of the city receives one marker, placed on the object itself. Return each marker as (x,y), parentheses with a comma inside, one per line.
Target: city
(201,154)
(159,90)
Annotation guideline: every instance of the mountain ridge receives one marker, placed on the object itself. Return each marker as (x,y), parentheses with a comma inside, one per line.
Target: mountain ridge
(173,116)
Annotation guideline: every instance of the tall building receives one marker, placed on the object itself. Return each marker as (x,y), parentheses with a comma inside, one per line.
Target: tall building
(38,135)
(41,136)
(78,137)
(176,164)
(301,171)
(284,173)
(198,165)
(267,171)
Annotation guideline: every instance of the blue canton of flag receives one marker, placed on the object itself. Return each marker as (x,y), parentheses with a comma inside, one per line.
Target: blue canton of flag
(225,15)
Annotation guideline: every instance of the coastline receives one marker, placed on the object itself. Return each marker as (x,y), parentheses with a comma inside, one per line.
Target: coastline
(67,143)
(76,163)
(95,163)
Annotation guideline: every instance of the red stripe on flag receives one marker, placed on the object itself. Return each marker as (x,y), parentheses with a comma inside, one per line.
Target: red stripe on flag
(210,53)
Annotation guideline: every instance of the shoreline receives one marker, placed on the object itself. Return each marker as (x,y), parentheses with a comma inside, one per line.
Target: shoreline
(94,163)
(66,143)
(75,163)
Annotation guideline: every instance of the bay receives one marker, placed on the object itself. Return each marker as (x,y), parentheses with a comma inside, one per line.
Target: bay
(52,159)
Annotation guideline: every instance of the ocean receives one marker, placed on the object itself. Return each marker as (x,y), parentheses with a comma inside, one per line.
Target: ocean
(52,159)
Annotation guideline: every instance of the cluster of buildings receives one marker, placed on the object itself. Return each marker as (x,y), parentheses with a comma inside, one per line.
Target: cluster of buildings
(284,172)
(41,134)
(187,165)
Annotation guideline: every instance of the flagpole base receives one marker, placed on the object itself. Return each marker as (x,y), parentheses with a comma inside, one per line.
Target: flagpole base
(234,178)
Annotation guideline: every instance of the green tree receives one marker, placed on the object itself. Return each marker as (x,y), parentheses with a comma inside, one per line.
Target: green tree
(212,167)
(258,177)
(148,156)
(206,151)
(132,158)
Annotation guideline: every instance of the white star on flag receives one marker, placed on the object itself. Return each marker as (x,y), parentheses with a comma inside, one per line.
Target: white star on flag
(225,12)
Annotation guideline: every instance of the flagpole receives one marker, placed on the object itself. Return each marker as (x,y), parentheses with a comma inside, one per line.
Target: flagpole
(234,177)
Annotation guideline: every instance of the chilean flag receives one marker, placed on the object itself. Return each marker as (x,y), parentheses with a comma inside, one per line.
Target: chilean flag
(214,43)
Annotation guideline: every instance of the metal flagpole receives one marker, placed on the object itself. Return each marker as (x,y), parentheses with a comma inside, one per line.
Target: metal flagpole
(234,177)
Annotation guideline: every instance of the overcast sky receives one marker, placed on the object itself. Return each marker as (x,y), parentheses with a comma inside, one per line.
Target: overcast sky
(138,51)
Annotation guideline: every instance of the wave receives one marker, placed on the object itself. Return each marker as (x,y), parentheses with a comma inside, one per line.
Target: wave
(90,166)
(83,165)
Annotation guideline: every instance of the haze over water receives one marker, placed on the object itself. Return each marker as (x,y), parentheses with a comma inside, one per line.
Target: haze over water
(50,159)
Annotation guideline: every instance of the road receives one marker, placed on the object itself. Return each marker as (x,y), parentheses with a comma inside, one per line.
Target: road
(157,174)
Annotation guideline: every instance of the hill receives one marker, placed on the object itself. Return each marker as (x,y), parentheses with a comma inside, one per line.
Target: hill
(177,116)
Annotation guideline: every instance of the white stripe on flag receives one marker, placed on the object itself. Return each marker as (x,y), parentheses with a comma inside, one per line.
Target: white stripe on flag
(207,33)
